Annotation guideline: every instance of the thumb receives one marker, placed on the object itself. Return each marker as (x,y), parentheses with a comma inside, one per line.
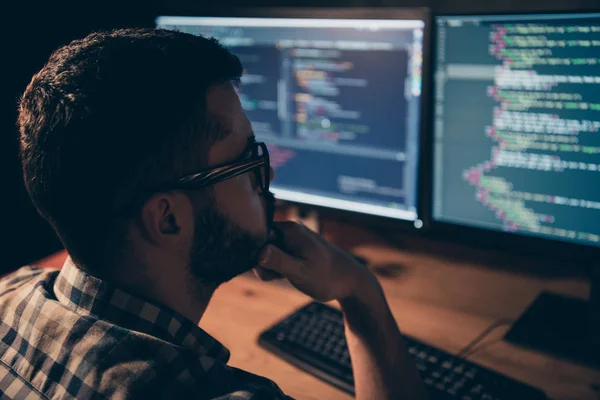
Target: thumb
(275,259)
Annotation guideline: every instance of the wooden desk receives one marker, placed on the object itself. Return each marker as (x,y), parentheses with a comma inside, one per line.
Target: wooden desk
(442,302)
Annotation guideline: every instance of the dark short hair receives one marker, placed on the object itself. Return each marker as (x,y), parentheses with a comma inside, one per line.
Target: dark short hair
(109,115)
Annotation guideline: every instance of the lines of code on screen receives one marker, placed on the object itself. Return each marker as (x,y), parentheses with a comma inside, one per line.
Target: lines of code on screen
(517,125)
(334,116)
(338,107)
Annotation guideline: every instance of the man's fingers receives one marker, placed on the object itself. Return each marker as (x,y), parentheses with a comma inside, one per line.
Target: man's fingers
(274,259)
(292,236)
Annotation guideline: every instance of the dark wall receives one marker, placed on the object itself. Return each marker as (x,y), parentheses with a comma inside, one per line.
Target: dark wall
(34,29)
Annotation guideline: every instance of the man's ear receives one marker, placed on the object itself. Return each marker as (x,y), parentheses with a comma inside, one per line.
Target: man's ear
(167,218)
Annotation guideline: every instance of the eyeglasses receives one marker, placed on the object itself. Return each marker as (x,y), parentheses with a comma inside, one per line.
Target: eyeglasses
(258,162)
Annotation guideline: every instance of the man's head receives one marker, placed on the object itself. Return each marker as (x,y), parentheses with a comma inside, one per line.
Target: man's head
(116,115)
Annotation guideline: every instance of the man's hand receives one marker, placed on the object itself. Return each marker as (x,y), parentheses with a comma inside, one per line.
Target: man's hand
(381,365)
(312,265)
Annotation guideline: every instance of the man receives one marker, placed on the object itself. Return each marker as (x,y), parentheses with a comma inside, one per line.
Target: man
(135,148)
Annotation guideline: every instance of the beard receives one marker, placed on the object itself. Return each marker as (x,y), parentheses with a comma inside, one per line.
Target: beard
(221,249)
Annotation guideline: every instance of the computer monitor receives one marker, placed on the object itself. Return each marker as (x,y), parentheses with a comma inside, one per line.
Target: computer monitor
(336,96)
(517,125)
(516,150)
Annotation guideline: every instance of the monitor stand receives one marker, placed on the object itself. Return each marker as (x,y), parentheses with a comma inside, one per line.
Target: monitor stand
(562,326)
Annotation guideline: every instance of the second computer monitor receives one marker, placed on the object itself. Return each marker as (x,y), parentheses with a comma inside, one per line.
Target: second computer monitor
(517,125)
(337,100)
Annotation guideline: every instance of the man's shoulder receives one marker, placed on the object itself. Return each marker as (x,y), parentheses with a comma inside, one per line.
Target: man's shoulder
(22,276)
(57,351)
(53,350)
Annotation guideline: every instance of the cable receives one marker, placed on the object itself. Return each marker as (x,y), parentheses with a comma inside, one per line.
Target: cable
(468,349)
(481,347)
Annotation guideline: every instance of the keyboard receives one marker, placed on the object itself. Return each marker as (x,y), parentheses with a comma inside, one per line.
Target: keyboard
(312,338)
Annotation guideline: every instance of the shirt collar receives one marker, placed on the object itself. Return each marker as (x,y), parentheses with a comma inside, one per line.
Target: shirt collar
(92,296)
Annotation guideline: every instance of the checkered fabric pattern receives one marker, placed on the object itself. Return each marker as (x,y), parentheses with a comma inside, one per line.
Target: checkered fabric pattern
(69,335)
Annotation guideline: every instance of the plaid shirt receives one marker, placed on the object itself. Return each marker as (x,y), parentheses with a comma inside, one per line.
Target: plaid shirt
(67,335)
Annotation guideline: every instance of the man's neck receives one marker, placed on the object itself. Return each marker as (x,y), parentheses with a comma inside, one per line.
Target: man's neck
(174,290)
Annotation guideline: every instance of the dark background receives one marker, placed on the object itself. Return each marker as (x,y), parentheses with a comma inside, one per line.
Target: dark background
(32,29)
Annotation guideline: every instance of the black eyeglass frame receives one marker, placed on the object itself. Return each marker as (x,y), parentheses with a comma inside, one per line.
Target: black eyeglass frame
(214,175)
(211,176)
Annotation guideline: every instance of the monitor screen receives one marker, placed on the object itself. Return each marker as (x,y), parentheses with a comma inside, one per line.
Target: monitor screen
(517,124)
(337,101)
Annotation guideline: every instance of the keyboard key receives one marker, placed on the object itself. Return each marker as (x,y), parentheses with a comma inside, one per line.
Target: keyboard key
(460,382)
(449,378)
(477,389)
(447,364)
(471,373)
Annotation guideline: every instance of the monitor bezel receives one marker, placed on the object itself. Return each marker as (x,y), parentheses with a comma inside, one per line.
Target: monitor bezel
(408,13)
(544,248)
